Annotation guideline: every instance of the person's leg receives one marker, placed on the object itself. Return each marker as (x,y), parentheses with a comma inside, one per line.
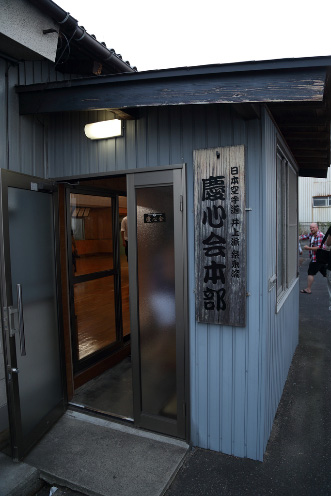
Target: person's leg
(328,278)
(312,271)
(322,269)
(309,283)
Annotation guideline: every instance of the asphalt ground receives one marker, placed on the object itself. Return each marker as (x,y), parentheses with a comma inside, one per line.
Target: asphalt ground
(297,460)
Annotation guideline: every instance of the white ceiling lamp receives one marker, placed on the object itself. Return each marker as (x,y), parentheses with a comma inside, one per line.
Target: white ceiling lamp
(104,129)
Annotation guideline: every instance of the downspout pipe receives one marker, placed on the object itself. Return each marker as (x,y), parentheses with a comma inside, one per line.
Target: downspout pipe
(69,26)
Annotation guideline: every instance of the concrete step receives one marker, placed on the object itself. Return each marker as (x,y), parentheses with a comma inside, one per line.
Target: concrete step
(49,489)
(18,479)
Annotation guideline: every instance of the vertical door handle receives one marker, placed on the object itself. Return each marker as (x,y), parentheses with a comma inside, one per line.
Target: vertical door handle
(20,319)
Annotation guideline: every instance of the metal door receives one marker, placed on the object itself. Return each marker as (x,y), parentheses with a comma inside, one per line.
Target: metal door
(30,310)
(157,303)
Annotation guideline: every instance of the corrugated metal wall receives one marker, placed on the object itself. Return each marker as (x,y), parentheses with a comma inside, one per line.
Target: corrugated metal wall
(237,374)
(280,330)
(23,141)
(23,138)
(309,187)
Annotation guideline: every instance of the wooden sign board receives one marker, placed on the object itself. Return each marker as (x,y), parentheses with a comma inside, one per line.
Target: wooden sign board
(220,235)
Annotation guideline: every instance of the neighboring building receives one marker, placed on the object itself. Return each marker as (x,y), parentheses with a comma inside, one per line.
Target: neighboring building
(205,166)
(314,202)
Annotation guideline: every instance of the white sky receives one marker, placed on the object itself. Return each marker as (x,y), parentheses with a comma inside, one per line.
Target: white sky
(176,33)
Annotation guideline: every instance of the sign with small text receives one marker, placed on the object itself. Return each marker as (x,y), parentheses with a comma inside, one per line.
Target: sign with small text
(220,235)
(150,218)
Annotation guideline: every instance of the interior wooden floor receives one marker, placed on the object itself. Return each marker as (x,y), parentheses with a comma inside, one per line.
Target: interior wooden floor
(95,307)
(111,391)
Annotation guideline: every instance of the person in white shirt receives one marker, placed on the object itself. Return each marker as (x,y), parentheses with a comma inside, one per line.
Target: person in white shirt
(124,234)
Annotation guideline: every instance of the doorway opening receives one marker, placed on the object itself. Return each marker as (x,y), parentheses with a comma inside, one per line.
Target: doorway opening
(99,297)
(116,326)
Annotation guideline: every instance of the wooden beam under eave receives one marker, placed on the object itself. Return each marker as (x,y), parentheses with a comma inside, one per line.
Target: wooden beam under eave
(271,86)
(308,144)
(306,135)
(311,155)
(313,172)
(248,111)
(124,116)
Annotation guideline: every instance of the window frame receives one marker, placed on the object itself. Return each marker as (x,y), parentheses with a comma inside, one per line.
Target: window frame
(286,226)
(327,200)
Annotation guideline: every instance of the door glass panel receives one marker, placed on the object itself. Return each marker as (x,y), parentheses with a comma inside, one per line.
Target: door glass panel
(156,300)
(91,233)
(32,257)
(94,315)
(122,204)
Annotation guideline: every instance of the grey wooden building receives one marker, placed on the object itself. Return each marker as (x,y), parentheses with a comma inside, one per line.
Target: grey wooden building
(205,164)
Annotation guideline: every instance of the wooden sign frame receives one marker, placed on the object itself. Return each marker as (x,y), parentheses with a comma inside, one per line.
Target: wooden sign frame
(220,235)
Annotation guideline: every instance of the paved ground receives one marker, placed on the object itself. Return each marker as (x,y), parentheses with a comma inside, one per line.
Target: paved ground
(298,456)
(297,461)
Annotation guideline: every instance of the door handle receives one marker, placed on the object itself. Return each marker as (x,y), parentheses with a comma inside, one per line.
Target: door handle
(20,319)
(10,325)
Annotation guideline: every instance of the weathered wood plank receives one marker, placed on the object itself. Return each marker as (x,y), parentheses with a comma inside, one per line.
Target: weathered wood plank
(220,235)
(272,86)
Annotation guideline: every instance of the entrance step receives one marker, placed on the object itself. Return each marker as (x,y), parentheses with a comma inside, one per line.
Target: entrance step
(99,457)
(48,490)
(18,479)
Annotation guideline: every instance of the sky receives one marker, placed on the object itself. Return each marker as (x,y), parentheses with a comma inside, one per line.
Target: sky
(179,33)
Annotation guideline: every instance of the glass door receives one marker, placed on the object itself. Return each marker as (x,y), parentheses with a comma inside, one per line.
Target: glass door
(30,311)
(156,272)
(94,276)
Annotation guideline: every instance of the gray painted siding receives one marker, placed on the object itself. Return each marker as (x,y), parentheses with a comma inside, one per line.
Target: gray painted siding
(282,328)
(22,145)
(236,374)
(21,137)
(226,367)
(22,150)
